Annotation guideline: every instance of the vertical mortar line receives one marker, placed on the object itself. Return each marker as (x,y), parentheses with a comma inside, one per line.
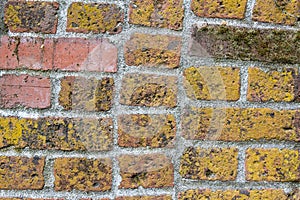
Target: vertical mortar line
(249,10)
(62,17)
(48,174)
(244,83)
(241,177)
(55,89)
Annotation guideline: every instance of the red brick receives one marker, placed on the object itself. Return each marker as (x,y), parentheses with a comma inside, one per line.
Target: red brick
(21,16)
(82,174)
(25,90)
(21,173)
(148,171)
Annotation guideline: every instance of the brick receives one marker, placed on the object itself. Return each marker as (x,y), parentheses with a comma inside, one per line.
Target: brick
(212,83)
(163,14)
(272,165)
(220,9)
(279,12)
(149,90)
(82,174)
(266,194)
(240,124)
(67,54)
(143,130)
(25,90)
(209,164)
(95,18)
(39,17)
(148,171)
(153,50)
(78,93)
(21,173)
(84,134)
(267,45)
(162,197)
(273,85)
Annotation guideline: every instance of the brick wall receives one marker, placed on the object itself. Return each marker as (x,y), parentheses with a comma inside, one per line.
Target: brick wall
(147,99)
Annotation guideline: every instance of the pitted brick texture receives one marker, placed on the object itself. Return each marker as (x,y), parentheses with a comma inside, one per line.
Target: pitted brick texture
(82,174)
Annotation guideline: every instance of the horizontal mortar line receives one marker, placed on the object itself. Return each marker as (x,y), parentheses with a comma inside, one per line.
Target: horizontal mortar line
(151,70)
(143,109)
(145,191)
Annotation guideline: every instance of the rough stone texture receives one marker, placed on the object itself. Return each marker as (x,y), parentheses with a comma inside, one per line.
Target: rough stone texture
(267,45)
(148,171)
(82,174)
(162,197)
(267,194)
(25,90)
(212,83)
(3,27)
(142,130)
(209,164)
(277,11)
(272,165)
(21,16)
(162,14)
(85,134)
(68,54)
(94,17)
(153,50)
(234,9)
(149,90)
(78,93)
(273,85)
(21,173)
(240,124)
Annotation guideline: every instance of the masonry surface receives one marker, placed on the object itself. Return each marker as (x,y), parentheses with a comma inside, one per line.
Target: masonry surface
(149,100)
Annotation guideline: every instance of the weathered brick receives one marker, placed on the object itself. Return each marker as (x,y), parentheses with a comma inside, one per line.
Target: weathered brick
(148,171)
(153,50)
(212,83)
(240,124)
(94,17)
(86,134)
(272,165)
(274,11)
(220,9)
(78,93)
(21,16)
(82,174)
(141,130)
(266,194)
(162,197)
(68,54)
(149,90)
(268,45)
(273,85)
(21,173)
(163,14)
(25,90)
(209,164)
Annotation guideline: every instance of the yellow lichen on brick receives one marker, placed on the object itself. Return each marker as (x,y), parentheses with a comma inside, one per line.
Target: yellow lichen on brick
(222,9)
(272,165)
(12,15)
(212,83)
(276,11)
(272,85)
(209,164)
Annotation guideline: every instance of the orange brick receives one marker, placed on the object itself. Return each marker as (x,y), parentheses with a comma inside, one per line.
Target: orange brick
(209,164)
(141,130)
(162,14)
(279,12)
(25,90)
(148,171)
(162,197)
(212,83)
(82,174)
(21,16)
(273,85)
(149,90)
(240,124)
(21,173)
(94,17)
(78,93)
(153,50)
(272,165)
(220,9)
